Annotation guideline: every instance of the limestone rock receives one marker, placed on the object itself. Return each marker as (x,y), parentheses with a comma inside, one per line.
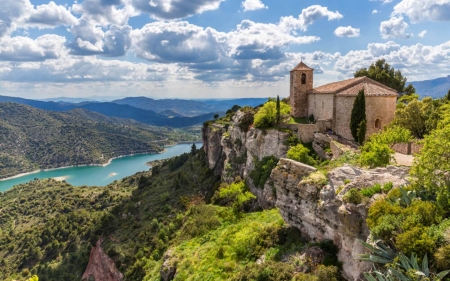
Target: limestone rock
(320,214)
(168,268)
(100,266)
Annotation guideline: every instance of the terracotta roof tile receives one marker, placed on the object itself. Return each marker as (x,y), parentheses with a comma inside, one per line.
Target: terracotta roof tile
(301,66)
(351,87)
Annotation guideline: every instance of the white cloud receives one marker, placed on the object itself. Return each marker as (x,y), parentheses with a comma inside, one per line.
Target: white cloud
(105,12)
(308,16)
(251,5)
(45,47)
(384,1)
(424,10)
(422,33)
(381,49)
(395,27)
(175,9)
(347,31)
(50,15)
(375,11)
(11,12)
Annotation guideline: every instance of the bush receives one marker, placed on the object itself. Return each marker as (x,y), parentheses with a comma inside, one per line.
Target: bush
(375,154)
(268,271)
(301,154)
(246,121)
(234,195)
(353,196)
(266,117)
(371,191)
(262,170)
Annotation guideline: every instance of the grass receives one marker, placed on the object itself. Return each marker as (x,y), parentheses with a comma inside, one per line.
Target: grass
(299,120)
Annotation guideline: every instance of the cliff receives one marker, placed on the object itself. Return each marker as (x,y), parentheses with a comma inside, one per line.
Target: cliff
(233,152)
(100,266)
(306,198)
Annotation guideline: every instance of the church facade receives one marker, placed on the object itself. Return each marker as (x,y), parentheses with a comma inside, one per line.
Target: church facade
(333,103)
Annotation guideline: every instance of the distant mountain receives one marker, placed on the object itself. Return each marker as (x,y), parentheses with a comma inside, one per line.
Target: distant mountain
(435,88)
(33,139)
(68,100)
(118,110)
(225,104)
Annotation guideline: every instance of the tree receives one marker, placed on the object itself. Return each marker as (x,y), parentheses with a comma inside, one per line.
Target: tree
(419,116)
(382,72)
(193,149)
(278,110)
(432,166)
(447,97)
(266,116)
(358,114)
(216,116)
(300,153)
(362,131)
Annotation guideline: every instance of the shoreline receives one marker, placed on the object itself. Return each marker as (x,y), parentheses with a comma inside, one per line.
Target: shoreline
(82,165)
(96,165)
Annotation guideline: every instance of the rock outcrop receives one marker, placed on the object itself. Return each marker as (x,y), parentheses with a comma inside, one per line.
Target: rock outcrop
(308,203)
(233,152)
(100,266)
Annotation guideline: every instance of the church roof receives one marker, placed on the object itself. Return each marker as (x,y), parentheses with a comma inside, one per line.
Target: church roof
(301,66)
(351,87)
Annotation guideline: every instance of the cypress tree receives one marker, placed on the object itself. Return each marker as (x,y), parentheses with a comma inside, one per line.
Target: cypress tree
(362,131)
(278,110)
(358,114)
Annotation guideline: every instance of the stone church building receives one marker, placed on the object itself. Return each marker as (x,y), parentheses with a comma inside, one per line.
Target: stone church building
(332,104)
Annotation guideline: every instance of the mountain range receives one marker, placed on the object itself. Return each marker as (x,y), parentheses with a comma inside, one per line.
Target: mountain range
(435,88)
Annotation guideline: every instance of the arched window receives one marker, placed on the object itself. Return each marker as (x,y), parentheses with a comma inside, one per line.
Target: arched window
(377,123)
(303,78)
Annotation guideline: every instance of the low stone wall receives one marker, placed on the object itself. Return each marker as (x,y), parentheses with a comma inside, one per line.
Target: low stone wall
(407,148)
(292,127)
(306,132)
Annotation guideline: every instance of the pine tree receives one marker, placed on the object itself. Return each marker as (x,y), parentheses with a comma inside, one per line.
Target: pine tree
(193,149)
(358,114)
(278,110)
(362,131)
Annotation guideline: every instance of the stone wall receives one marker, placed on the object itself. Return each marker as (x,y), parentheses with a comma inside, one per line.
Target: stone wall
(407,148)
(382,108)
(321,106)
(306,132)
(376,107)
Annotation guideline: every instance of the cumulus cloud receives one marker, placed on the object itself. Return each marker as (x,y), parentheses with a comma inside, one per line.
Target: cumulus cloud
(251,5)
(50,15)
(414,60)
(384,1)
(92,40)
(375,12)
(422,33)
(21,49)
(347,31)
(177,42)
(10,12)
(395,27)
(308,16)
(175,9)
(424,10)
(104,12)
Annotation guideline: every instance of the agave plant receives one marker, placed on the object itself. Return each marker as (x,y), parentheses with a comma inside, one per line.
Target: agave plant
(406,269)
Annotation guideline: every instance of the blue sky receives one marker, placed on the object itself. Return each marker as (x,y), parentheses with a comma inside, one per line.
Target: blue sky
(211,48)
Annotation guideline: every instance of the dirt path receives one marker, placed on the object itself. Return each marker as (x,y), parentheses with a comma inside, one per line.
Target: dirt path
(404,160)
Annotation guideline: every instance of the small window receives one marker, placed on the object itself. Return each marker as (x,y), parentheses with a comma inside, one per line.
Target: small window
(377,123)
(303,78)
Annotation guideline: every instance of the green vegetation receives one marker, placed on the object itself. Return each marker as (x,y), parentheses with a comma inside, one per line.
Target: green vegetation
(377,151)
(301,154)
(262,170)
(382,72)
(358,117)
(353,196)
(234,195)
(35,139)
(266,117)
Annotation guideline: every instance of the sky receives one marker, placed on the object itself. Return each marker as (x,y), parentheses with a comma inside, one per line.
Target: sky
(211,48)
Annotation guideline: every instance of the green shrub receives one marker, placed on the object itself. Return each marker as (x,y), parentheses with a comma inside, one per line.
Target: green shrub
(301,154)
(353,196)
(442,257)
(375,154)
(234,195)
(246,121)
(262,170)
(268,271)
(371,191)
(266,117)
(201,218)
(416,240)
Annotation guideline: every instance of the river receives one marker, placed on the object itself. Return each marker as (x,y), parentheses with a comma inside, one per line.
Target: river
(101,175)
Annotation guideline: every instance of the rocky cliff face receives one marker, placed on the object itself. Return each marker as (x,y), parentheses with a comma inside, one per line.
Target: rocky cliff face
(307,202)
(100,266)
(232,152)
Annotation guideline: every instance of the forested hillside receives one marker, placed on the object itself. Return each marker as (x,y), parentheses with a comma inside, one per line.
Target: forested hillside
(33,139)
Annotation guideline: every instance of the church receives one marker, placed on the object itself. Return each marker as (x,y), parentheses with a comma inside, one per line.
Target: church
(332,104)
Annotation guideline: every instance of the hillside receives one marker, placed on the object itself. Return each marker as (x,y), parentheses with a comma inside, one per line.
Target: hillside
(33,139)
(119,111)
(436,88)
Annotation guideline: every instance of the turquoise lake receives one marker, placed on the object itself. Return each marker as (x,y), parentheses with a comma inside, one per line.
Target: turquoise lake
(102,175)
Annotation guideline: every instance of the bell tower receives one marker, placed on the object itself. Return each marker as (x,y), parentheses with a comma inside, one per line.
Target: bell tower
(301,81)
